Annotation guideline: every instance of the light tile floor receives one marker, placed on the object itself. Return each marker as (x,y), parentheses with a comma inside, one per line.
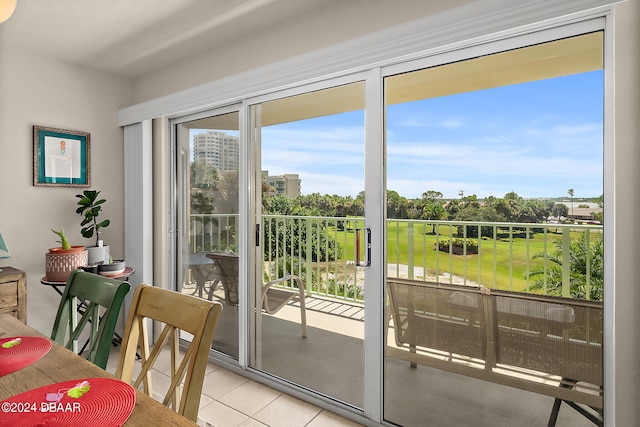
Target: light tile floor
(230,400)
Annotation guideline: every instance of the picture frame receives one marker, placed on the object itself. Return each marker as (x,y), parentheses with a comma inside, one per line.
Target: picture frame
(61,157)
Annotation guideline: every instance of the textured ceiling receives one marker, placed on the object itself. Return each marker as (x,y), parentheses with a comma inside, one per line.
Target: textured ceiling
(133,37)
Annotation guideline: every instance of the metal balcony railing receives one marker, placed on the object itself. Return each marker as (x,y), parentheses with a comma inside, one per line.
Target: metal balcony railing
(540,258)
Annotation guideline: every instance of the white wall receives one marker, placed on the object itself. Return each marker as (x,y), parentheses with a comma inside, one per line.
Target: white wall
(40,91)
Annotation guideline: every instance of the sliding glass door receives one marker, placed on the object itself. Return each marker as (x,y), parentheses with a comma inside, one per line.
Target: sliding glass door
(208,153)
(308,323)
(495,237)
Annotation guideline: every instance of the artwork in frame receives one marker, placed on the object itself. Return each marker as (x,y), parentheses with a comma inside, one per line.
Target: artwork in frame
(61,157)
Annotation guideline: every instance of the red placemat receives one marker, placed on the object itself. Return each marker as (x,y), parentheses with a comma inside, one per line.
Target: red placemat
(91,402)
(18,352)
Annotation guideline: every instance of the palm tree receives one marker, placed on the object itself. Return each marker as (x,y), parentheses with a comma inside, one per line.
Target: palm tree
(581,250)
(431,206)
(571,198)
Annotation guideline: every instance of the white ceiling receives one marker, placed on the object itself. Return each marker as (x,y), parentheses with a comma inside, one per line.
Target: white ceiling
(133,37)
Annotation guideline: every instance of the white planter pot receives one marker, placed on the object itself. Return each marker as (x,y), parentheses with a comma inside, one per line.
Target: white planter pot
(98,254)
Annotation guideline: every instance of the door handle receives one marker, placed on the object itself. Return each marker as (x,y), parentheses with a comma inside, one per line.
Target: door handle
(363,247)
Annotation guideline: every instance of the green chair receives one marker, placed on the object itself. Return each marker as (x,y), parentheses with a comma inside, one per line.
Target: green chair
(89,294)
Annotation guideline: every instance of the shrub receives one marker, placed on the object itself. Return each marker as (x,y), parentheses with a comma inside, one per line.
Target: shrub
(458,246)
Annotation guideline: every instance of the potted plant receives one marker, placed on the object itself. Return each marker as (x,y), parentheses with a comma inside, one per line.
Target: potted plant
(89,208)
(62,260)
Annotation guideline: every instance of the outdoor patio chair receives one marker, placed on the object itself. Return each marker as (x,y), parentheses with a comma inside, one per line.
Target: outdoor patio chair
(202,270)
(88,294)
(178,312)
(273,299)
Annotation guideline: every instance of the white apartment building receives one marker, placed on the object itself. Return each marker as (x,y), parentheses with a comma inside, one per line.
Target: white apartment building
(216,150)
(288,184)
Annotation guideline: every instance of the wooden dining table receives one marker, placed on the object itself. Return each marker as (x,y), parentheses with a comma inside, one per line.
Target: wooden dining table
(60,365)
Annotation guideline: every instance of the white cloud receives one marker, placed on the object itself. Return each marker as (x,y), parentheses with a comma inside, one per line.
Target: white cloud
(579,129)
(450,123)
(331,184)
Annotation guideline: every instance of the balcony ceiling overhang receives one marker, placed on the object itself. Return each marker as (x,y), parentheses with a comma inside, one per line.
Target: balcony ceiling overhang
(543,61)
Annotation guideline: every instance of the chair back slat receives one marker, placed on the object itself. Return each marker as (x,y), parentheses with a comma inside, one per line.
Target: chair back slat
(98,299)
(177,311)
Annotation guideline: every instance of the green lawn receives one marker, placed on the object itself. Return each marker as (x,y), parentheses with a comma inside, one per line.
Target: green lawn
(501,264)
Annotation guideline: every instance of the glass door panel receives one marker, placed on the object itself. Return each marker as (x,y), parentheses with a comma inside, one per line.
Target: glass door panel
(494,236)
(208,217)
(310,182)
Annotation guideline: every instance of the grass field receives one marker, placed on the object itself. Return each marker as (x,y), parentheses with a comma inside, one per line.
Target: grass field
(501,263)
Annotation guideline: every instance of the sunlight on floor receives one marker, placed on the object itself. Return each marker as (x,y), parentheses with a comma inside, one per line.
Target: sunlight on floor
(230,400)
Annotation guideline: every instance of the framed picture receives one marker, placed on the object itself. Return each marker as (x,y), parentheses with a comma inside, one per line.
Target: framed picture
(61,157)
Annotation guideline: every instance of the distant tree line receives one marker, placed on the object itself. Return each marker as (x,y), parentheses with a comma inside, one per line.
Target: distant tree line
(431,206)
(214,192)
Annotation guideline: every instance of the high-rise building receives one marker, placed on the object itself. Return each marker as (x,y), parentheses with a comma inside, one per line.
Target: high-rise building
(217,150)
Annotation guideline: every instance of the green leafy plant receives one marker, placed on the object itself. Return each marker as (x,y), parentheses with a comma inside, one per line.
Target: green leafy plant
(586,268)
(64,243)
(90,207)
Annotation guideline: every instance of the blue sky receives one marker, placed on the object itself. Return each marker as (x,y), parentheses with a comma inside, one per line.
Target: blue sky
(538,139)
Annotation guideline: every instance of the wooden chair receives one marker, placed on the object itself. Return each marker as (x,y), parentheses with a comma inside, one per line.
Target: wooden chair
(177,311)
(88,294)
(272,299)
